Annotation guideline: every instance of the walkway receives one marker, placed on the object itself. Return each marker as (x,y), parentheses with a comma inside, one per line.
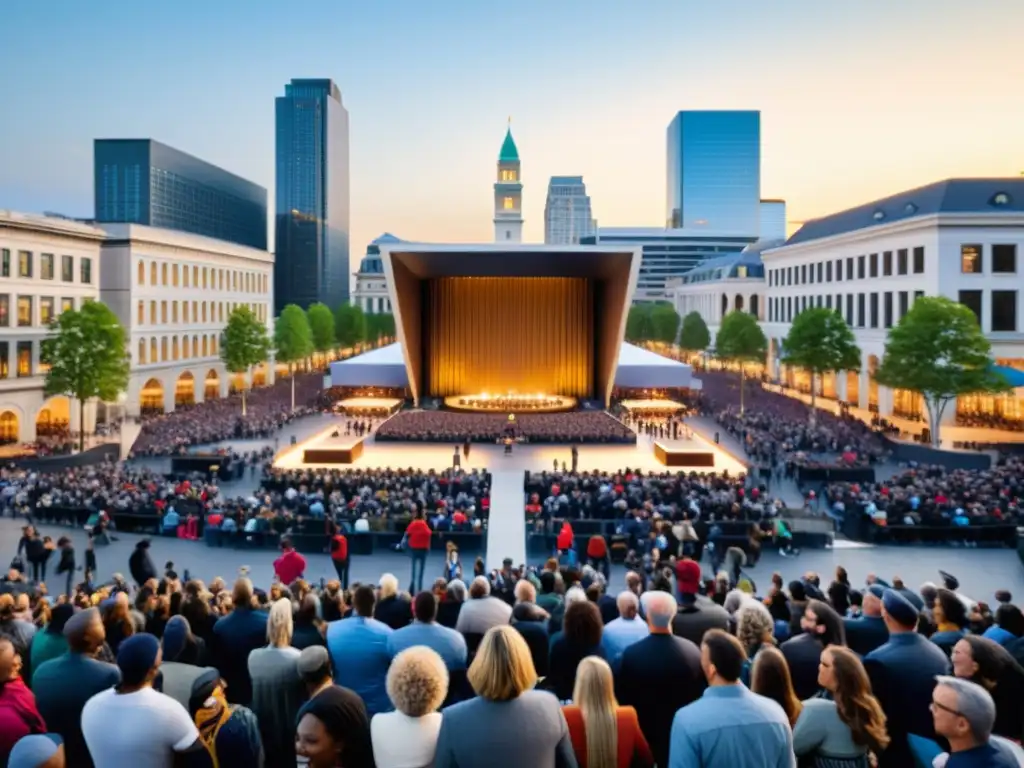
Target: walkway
(506,526)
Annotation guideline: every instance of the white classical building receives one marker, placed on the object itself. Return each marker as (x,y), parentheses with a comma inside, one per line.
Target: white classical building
(47,265)
(371,292)
(173,292)
(508,194)
(567,212)
(959,238)
(719,286)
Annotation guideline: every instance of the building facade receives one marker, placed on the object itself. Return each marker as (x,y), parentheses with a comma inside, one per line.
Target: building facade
(311,233)
(773,220)
(508,194)
(47,265)
(371,293)
(173,293)
(714,171)
(668,253)
(567,213)
(141,181)
(959,238)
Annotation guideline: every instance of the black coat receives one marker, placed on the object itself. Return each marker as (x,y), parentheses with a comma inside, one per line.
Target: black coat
(140,564)
(67,560)
(866,633)
(803,654)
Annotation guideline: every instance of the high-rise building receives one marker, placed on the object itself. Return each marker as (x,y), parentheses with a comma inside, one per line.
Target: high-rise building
(508,194)
(567,215)
(773,220)
(141,181)
(312,196)
(714,171)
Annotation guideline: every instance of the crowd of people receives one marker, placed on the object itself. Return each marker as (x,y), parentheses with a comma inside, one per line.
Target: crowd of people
(452,427)
(545,666)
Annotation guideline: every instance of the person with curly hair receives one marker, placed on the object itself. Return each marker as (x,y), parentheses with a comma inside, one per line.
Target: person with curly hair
(417,684)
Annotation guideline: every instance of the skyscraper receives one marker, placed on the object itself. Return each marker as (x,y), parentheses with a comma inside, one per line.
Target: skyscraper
(508,194)
(567,215)
(312,200)
(714,171)
(773,220)
(141,181)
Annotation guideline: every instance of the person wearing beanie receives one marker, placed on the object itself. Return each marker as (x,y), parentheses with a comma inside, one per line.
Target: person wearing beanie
(50,643)
(133,724)
(902,673)
(697,614)
(178,676)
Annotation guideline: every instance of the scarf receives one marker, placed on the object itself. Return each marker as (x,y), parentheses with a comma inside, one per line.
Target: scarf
(214,713)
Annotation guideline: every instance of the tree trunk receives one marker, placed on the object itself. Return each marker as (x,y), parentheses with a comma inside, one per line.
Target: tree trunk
(813,392)
(243,399)
(291,375)
(742,381)
(935,410)
(81,425)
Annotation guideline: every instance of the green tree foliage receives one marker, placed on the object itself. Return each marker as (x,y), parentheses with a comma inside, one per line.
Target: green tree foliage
(820,342)
(694,336)
(243,343)
(741,340)
(939,351)
(293,339)
(639,326)
(88,357)
(321,323)
(386,324)
(664,323)
(349,325)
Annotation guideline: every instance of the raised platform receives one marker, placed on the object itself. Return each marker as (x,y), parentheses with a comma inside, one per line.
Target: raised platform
(510,403)
(652,406)
(332,447)
(683,453)
(374,406)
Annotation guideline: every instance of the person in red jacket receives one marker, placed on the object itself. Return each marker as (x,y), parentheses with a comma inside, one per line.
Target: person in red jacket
(417,538)
(339,555)
(564,544)
(290,565)
(597,555)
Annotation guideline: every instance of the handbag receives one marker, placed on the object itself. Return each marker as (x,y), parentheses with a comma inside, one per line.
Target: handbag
(17,564)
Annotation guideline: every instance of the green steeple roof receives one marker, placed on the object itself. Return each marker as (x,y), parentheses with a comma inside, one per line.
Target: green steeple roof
(509,153)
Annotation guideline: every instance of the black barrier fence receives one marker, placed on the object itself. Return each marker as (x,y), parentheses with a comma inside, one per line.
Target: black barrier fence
(107,452)
(310,543)
(859,526)
(223,467)
(925,454)
(825,475)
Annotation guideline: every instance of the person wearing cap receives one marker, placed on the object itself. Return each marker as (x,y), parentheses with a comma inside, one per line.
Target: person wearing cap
(868,631)
(63,685)
(50,642)
(903,673)
(38,750)
(133,724)
(697,614)
(179,677)
(229,732)
(19,715)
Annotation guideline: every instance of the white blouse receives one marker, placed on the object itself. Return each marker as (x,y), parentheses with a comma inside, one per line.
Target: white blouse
(400,741)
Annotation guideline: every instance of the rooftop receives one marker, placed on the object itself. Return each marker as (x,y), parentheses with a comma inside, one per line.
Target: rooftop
(509,153)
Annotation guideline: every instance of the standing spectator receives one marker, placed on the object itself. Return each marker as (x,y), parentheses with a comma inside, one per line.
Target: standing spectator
(179,676)
(417,685)
(604,734)
(392,608)
(844,728)
(290,566)
(19,715)
(64,685)
(451,604)
(770,678)
(339,554)
(359,652)
(49,642)
(868,631)
(963,714)
(417,537)
(697,614)
(277,689)
(482,611)
(985,662)
(133,724)
(579,638)
(18,631)
(425,631)
(508,724)
(821,627)
(902,674)
(308,628)
(629,628)
(659,674)
(235,637)
(597,555)
(66,564)
(729,727)
(333,730)
(140,564)
(229,733)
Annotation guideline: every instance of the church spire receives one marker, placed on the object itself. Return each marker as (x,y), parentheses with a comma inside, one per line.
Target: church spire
(509,152)
(508,193)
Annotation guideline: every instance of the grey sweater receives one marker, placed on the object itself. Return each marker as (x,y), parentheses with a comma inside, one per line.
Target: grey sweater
(277,695)
(819,731)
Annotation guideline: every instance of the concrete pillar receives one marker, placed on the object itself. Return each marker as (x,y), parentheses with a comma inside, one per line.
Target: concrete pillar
(225,383)
(885,399)
(169,390)
(841,386)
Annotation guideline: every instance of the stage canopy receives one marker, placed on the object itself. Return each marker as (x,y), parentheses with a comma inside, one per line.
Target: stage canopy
(637,368)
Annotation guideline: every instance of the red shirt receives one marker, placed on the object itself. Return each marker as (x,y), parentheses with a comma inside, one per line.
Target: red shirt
(339,548)
(19,715)
(633,748)
(596,547)
(564,540)
(289,566)
(418,534)
(458,518)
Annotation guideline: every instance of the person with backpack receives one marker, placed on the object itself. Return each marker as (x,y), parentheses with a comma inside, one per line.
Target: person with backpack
(229,733)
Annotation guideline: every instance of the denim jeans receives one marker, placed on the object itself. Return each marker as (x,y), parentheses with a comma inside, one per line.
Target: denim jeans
(419,558)
(341,568)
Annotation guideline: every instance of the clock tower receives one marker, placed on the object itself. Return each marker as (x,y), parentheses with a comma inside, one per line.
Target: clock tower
(508,194)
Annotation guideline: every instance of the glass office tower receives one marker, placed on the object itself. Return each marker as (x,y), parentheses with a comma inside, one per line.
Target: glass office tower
(141,181)
(714,171)
(312,208)
(567,215)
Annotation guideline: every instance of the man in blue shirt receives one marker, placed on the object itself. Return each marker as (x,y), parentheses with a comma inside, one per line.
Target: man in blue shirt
(449,644)
(729,727)
(964,714)
(359,652)
(622,632)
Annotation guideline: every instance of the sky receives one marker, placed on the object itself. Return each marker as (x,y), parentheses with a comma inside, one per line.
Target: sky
(858,100)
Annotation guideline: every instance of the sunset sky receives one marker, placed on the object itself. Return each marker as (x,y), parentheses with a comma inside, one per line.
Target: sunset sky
(856,101)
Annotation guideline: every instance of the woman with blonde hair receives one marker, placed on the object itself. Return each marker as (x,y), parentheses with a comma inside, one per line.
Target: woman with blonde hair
(277,688)
(604,734)
(770,677)
(841,732)
(417,685)
(508,724)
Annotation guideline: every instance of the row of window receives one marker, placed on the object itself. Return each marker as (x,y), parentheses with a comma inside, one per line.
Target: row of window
(175,275)
(194,311)
(861,309)
(23,362)
(851,268)
(47,266)
(1002,308)
(168,349)
(25,306)
(1003,259)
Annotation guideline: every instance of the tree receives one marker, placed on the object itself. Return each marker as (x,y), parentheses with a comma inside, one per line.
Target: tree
(293,339)
(694,335)
(349,325)
(938,351)
(664,323)
(386,324)
(820,342)
(379,326)
(638,323)
(741,340)
(243,343)
(321,324)
(88,357)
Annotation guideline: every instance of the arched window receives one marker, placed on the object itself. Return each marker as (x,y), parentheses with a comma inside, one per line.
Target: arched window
(195,346)
(152,313)
(755,306)
(163,274)
(174,275)
(725,305)
(153,357)
(184,276)
(142,272)
(142,351)
(142,312)
(174,348)
(206,347)
(204,311)
(152,273)
(163,348)
(174,311)
(738,306)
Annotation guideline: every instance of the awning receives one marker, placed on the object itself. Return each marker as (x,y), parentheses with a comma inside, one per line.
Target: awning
(1012,375)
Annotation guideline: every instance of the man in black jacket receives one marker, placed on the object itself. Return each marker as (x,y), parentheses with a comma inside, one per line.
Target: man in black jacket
(140,564)
(67,563)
